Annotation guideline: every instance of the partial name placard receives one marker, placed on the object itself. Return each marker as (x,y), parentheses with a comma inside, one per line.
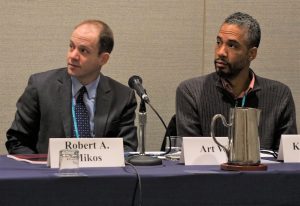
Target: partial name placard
(289,148)
(93,152)
(203,151)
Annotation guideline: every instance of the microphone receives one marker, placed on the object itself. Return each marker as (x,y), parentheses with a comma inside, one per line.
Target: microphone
(135,82)
(141,159)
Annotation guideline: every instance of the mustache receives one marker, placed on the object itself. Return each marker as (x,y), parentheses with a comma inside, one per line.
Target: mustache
(221,60)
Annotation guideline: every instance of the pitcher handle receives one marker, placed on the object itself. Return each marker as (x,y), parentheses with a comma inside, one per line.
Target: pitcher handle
(212,131)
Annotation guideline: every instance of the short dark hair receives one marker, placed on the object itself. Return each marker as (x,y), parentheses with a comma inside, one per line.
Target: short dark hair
(106,37)
(245,20)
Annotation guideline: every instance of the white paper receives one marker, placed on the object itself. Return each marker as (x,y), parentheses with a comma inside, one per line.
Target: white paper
(203,151)
(93,152)
(289,148)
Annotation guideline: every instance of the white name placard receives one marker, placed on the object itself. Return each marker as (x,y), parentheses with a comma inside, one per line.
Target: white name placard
(203,151)
(289,148)
(93,152)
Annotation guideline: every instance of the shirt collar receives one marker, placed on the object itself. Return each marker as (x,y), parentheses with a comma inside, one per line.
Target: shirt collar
(91,87)
(228,87)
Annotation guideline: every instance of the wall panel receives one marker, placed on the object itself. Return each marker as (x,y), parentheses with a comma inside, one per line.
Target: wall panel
(159,40)
(164,42)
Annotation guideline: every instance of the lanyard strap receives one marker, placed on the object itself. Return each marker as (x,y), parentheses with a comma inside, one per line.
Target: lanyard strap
(244,100)
(74,119)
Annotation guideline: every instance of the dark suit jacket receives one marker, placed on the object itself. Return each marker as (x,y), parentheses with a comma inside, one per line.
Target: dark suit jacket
(44,111)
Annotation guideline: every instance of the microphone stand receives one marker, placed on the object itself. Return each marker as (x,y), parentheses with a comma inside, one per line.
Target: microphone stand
(142,159)
(142,127)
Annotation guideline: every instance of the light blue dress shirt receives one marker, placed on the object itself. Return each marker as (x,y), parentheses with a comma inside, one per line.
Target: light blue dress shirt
(89,98)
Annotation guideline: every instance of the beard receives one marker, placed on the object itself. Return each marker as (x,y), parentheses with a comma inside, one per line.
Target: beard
(232,70)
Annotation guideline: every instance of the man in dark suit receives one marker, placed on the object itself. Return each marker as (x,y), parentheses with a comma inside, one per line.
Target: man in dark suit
(46,108)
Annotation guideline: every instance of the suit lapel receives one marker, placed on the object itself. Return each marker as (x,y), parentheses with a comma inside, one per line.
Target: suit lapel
(103,102)
(65,108)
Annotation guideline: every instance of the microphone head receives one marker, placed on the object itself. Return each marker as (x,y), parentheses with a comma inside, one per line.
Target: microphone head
(134,80)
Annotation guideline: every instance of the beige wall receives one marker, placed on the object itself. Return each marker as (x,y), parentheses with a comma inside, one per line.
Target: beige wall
(163,41)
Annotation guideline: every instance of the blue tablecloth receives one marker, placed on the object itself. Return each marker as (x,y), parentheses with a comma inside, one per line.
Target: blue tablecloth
(172,183)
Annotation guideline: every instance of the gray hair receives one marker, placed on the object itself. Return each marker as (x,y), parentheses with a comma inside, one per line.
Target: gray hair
(245,20)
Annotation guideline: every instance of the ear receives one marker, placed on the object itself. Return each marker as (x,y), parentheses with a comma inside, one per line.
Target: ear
(252,53)
(103,58)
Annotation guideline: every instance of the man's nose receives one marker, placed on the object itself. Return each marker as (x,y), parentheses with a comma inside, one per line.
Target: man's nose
(74,54)
(221,51)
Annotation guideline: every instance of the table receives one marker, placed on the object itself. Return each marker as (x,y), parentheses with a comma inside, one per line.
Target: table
(172,183)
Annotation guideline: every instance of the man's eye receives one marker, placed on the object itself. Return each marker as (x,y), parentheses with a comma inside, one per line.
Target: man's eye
(84,51)
(218,43)
(232,45)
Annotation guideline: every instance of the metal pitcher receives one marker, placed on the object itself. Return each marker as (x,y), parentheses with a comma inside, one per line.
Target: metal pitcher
(243,146)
